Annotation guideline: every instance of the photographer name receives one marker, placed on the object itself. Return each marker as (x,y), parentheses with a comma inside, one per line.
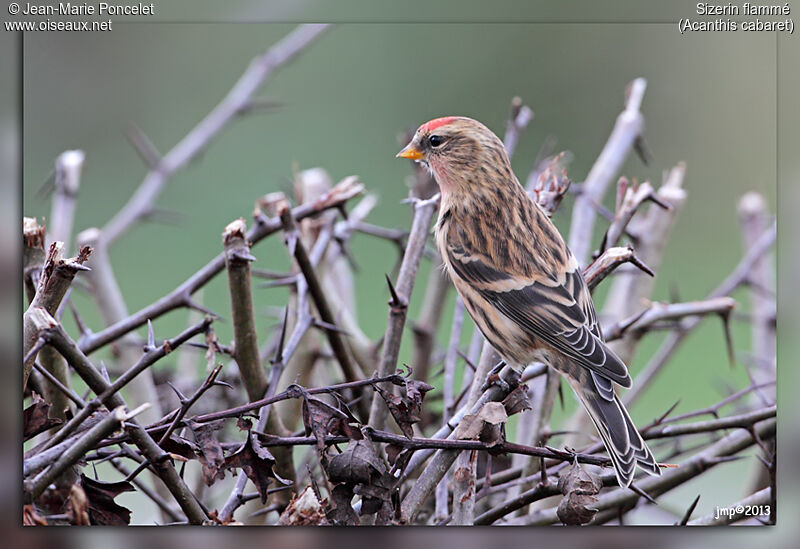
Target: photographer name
(83,8)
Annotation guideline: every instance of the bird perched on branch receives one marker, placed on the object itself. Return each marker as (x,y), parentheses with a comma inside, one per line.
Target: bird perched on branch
(519,281)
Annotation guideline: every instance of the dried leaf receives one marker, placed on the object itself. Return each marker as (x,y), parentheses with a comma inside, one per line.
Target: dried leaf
(102,508)
(180,447)
(35,418)
(485,426)
(358,464)
(406,410)
(257,463)
(322,419)
(244,424)
(303,510)
(577,507)
(339,510)
(78,506)
(209,451)
(31,518)
(376,497)
(517,400)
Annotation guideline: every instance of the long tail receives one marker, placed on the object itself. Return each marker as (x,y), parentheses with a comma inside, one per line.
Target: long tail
(625,445)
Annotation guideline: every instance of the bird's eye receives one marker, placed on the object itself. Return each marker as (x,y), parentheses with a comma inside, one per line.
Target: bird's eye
(436,140)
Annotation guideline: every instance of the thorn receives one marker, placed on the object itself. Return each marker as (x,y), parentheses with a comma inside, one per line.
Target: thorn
(35,349)
(653,197)
(79,267)
(291,242)
(181,397)
(668,412)
(163,215)
(143,146)
(642,493)
(78,320)
(271,275)
(725,316)
(48,186)
(639,263)
(242,255)
(722,459)
(395,302)
(259,104)
(688,514)
(643,150)
(321,324)
(287,281)
(279,351)
(151,336)
(104,371)
(190,303)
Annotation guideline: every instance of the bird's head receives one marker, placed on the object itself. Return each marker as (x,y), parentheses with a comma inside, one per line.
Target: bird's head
(462,154)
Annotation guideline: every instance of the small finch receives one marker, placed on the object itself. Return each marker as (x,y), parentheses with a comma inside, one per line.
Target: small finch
(518,280)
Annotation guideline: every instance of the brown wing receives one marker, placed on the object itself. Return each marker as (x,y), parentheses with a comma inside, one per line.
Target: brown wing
(559,312)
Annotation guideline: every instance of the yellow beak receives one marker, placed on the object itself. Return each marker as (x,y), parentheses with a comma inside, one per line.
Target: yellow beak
(411,152)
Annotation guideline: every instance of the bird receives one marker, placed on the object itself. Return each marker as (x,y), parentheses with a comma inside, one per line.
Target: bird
(519,281)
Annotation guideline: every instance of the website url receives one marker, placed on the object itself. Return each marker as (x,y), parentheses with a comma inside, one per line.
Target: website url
(50,25)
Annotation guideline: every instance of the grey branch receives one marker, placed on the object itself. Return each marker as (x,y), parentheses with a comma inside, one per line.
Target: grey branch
(398,306)
(237,100)
(237,262)
(628,127)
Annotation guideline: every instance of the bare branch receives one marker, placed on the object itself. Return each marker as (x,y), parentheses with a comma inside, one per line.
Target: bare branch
(612,258)
(398,306)
(628,127)
(237,261)
(519,117)
(181,296)
(109,424)
(56,336)
(259,71)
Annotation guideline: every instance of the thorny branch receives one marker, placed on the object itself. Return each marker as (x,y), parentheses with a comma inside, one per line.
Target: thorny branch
(357,468)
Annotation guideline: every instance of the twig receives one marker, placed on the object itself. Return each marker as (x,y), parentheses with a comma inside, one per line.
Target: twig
(628,127)
(658,312)
(237,261)
(111,392)
(69,166)
(349,369)
(754,219)
(181,296)
(398,305)
(237,99)
(111,303)
(443,460)
(519,117)
(629,199)
(675,338)
(655,486)
(652,228)
(57,275)
(609,260)
(33,488)
(743,421)
(55,335)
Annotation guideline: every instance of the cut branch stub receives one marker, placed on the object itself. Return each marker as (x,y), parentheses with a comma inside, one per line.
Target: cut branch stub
(237,262)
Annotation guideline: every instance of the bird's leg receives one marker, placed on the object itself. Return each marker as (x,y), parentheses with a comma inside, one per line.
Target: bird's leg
(493,378)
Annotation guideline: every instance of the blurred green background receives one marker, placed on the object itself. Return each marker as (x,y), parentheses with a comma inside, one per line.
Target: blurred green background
(710,102)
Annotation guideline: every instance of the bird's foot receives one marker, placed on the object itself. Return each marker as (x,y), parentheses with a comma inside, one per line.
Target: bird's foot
(494,379)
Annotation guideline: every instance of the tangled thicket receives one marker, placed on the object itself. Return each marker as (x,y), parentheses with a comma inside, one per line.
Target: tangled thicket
(296,429)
